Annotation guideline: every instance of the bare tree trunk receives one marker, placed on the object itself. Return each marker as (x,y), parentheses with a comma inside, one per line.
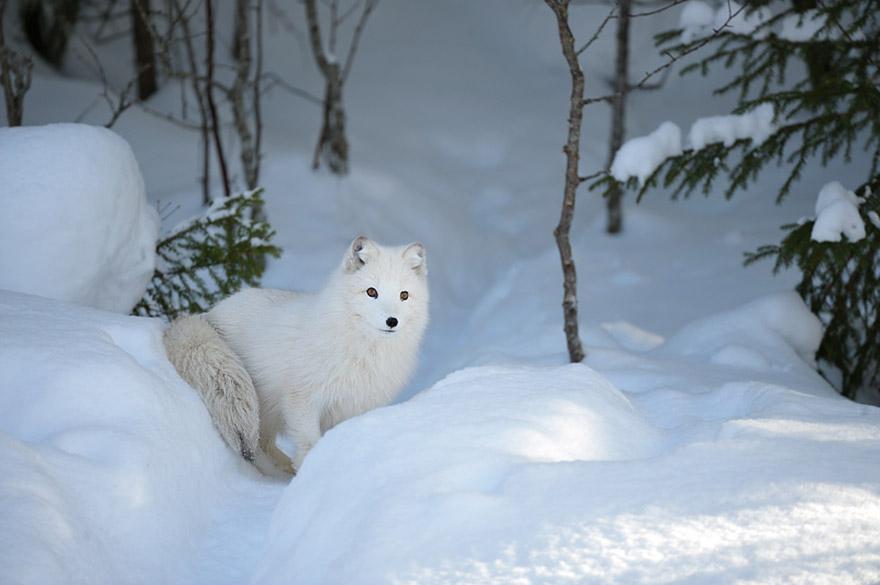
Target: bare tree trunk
(243,63)
(145,55)
(332,143)
(257,93)
(15,75)
(49,35)
(201,100)
(209,96)
(572,180)
(621,89)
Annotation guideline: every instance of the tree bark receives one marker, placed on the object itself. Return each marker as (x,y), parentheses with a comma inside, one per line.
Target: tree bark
(572,181)
(618,117)
(243,64)
(145,55)
(15,76)
(49,37)
(332,146)
(209,96)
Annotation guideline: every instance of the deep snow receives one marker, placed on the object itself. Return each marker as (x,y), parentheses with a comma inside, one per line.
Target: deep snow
(76,224)
(696,444)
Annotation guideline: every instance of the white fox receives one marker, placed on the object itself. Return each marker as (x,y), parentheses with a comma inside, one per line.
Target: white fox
(270,361)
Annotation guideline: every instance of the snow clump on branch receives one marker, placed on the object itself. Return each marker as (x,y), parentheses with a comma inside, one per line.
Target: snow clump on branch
(756,125)
(640,157)
(837,214)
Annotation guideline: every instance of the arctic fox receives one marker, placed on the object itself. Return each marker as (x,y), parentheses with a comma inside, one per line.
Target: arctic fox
(270,361)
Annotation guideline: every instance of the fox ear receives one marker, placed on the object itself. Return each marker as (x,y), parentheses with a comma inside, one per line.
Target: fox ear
(359,253)
(414,254)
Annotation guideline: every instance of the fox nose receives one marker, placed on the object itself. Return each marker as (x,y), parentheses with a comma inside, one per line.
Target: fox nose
(391,322)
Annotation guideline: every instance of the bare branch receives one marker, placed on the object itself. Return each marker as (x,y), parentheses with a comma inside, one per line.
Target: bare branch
(671,59)
(369,6)
(572,180)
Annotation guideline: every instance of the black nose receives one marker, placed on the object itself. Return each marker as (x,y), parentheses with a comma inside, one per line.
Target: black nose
(391,322)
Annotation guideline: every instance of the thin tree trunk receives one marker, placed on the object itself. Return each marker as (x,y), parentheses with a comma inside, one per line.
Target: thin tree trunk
(572,181)
(201,100)
(332,143)
(15,76)
(209,96)
(243,62)
(145,55)
(48,37)
(618,116)
(257,95)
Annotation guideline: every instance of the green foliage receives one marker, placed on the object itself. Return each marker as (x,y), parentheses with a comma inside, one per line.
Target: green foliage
(840,284)
(209,258)
(828,112)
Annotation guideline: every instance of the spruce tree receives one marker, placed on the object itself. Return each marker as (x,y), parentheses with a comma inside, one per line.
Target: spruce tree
(209,258)
(830,112)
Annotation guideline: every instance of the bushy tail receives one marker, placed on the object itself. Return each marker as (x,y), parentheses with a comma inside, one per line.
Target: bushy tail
(210,366)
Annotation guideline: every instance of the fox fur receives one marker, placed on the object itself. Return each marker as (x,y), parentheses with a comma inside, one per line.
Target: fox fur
(269,362)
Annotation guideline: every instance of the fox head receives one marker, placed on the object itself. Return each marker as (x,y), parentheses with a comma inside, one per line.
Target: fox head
(385,288)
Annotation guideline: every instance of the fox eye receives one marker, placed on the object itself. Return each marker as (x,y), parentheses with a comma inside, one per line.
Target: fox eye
(404,295)
(372,293)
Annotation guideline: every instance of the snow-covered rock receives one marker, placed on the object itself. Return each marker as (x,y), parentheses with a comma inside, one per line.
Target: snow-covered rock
(837,215)
(76,224)
(756,125)
(639,157)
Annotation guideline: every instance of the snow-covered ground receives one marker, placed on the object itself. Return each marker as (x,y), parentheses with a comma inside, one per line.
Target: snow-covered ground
(696,443)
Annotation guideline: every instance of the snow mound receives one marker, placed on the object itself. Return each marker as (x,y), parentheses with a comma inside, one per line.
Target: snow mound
(639,157)
(632,336)
(837,215)
(775,329)
(756,125)
(111,466)
(75,225)
(736,19)
(437,464)
(695,20)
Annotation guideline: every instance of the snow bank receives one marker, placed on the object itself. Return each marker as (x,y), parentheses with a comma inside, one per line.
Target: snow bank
(695,20)
(776,330)
(75,225)
(528,475)
(837,215)
(756,125)
(639,157)
(112,469)
(425,479)
(734,18)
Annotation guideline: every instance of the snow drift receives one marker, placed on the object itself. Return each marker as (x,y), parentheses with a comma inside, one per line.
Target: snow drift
(111,467)
(76,224)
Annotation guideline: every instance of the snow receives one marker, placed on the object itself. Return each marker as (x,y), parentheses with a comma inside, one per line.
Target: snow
(756,125)
(696,20)
(76,224)
(639,157)
(696,443)
(112,468)
(733,18)
(837,215)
